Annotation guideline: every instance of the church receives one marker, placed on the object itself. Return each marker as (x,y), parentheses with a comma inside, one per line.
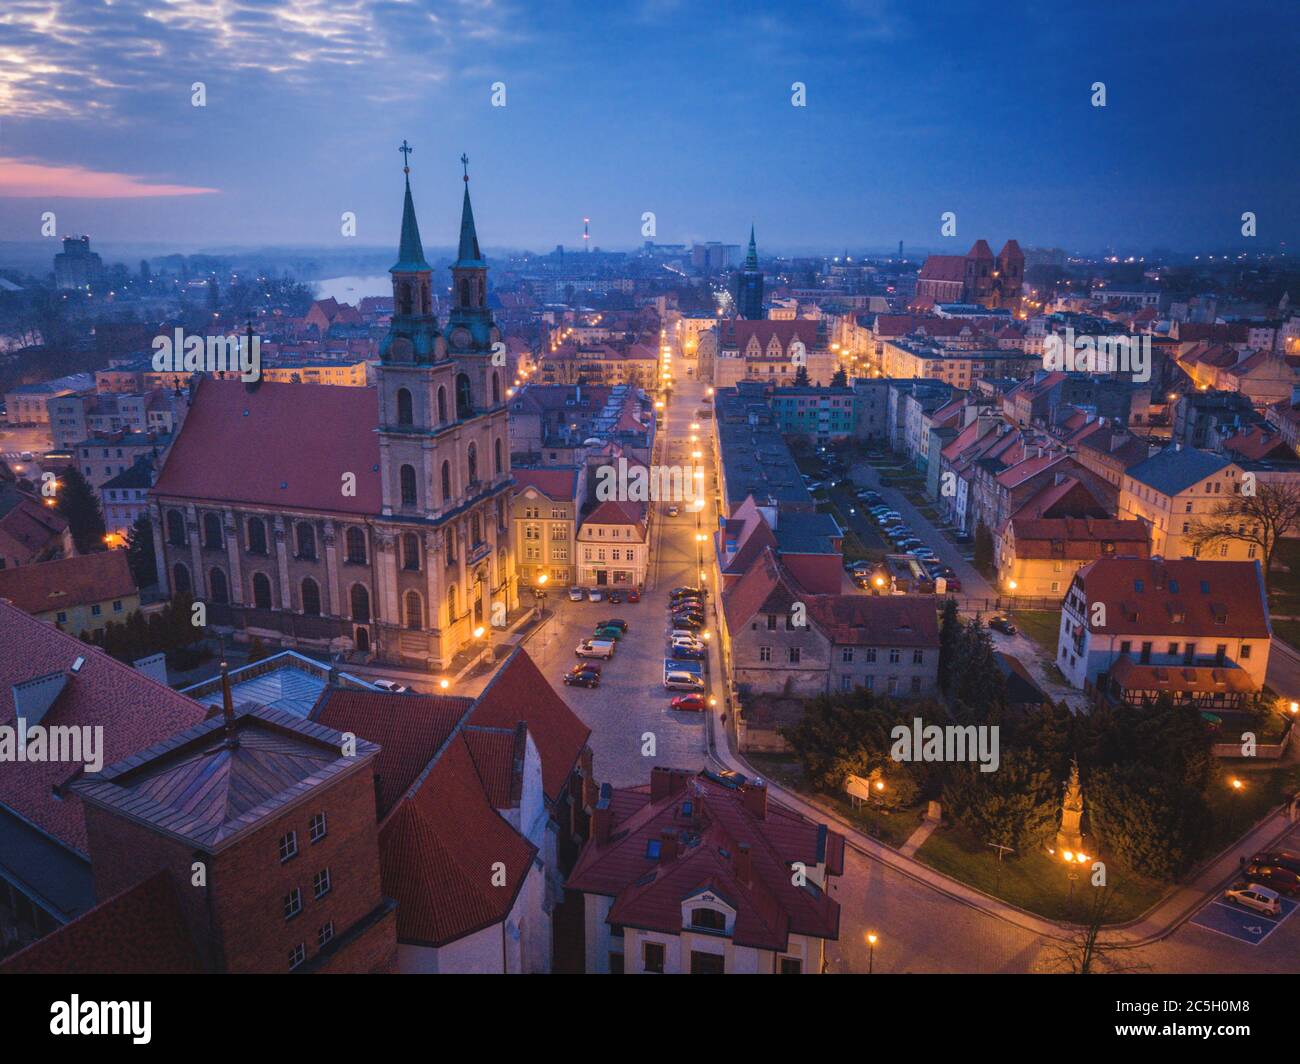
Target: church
(371,520)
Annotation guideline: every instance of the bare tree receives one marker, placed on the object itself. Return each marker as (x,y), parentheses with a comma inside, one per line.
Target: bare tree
(1261,518)
(1084,951)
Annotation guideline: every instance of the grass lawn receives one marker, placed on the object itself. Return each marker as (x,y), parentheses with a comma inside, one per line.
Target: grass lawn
(1034,881)
(1043,627)
(1284,590)
(1261,791)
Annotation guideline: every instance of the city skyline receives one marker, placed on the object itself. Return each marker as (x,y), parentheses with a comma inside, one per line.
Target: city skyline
(303,113)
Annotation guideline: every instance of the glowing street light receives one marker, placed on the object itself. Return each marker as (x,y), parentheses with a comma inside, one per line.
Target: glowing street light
(872,939)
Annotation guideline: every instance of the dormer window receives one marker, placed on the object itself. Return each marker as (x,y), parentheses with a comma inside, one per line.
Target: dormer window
(708,920)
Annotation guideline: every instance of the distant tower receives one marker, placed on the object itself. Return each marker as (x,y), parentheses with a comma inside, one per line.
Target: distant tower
(749,284)
(586,233)
(900,251)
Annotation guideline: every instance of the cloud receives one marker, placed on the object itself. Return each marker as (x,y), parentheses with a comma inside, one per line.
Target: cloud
(31,180)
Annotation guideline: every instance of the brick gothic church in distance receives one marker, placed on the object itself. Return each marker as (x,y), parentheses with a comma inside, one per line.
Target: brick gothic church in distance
(256,515)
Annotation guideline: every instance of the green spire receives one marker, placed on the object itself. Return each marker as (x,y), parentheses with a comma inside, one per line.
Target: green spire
(469,254)
(751,259)
(410,254)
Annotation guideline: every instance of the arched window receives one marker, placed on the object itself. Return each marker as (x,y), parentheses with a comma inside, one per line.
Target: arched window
(356,549)
(451,604)
(446,482)
(256,536)
(404,298)
(442,405)
(404,414)
(410,551)
(476,530)
(407,475)
(218,587)
(310,597)
(181,579)
(464,292)
(175,528)
(496,388)
(306,541)
(499,462)
(471,462)
(360,604)
(414,611)
(451,546)
(212,531)
(261,591)
(502,563)
(464,397)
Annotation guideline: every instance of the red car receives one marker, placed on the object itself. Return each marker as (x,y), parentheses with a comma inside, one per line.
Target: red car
(691,702)
(634,595)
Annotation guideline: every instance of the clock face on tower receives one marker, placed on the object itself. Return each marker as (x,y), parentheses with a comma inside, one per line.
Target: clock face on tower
(460,338)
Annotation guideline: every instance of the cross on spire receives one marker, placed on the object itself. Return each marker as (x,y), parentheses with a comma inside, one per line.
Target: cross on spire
(406,150)
(464,162)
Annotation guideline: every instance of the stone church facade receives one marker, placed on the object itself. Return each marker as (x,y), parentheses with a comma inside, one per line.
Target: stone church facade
(367,519)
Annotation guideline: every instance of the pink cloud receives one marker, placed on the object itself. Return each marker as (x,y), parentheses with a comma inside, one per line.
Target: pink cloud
(36,180)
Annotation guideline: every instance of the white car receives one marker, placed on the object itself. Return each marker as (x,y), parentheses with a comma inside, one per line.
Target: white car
(596,595)
(688,644)
(683,681)
(595,648)
(1253,896)
(391,686)
(576,594)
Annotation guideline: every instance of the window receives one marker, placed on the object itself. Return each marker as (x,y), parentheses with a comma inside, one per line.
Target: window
(297,955)
(181,579)
(261,591)
(320,883)
(794,655)
(708,920)
(916,685)
(442,405)
(407,477)
(310,597)
(869,682)
(175,528)
(117,605)
(790,966)
(451,604)
(410,551)
(212,532)
(464,397)
(1173,650)
(414,611)
(292,903)
(317,830)
(256,536)
(764,653)
(771,622)
(404,414)
(846,654)
(871,654)
(306,541)
(918,657)
(894,656)
(446,482)
(356,546)
(652,954)
(218,586)
(471,463)
(96,610)
(325,933)
(360,597)
(846,682)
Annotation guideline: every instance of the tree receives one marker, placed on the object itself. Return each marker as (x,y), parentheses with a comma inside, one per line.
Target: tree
(1014,806)
(840,379)
(1083,951)
(950,628)
(79,506)
(140,552)
(983,548)
(801,377)
(1261,518)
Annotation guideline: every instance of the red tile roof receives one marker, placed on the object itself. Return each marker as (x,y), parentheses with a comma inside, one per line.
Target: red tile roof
(736,332)
(943,268)
(1213,598)
(767,582)
(27,527)
(1072,537)
(138,932)
(519,692)
(1199,679)
(77,581)
(615,512)
(648,893)
(876,620)
(134,710)
(282,445)
(557,484)
(409,728)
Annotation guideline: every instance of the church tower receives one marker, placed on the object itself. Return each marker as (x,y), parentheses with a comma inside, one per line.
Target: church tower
(447,566)
(749,285)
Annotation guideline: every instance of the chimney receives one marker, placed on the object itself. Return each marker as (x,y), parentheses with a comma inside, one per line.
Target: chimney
(755,798)
(744,866)
(665,782)
(667,847)
(602,817)
(154,665)
(33,698)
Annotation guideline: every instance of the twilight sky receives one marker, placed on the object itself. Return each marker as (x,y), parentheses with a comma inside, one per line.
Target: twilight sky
(680,108)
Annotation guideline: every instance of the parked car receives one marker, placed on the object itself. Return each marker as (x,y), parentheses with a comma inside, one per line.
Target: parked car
(1276,876)
(672,511)
(582,679)
(595,648)
(634,595)
(613,622)
(1283,858)
(683,681)
(681,650)
(596,595)
(608,631)
(576,594)
(694,702)
(391,686)
(686,589)
(688,641)
(693,614)
(1255,896)
(1001,624)
(682,633)
(615,597)
(692,622)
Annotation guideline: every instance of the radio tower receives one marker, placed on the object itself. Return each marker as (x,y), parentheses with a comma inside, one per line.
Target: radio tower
(586,234)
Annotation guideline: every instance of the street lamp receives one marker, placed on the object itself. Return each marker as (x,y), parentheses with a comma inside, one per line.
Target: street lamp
(872,938)
(1237,786)
(444,684)
(479,633)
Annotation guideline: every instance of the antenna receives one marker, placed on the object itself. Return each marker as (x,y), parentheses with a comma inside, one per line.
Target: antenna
(586,233)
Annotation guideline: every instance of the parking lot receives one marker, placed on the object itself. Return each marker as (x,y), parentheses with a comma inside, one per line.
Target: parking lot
(1240,923)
